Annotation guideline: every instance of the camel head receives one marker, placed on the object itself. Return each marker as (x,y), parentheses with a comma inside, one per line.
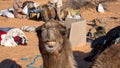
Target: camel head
(51,35)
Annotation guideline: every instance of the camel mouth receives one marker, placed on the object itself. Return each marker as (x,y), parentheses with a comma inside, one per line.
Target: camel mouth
(51,43)
(50,46)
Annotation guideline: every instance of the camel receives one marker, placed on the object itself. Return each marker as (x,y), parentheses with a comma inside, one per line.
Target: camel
(104,54)
(110,58)
(54,46)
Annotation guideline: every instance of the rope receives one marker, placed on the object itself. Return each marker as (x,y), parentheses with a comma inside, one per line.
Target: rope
(34,60)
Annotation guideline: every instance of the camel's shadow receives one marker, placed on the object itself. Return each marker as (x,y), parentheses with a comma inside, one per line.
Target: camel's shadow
(79,57)
(8,63)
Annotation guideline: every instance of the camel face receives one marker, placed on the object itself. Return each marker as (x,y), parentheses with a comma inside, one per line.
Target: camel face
(51,35)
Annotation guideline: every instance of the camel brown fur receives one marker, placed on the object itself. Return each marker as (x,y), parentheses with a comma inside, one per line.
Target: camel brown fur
(110,58)
(49,12)
(55,48)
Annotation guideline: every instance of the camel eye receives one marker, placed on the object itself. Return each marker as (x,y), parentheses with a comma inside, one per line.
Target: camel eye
(44,33)
(42,29)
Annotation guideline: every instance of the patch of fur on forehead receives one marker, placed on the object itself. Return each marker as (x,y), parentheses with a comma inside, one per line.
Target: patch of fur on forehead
(53,24)
(57,25)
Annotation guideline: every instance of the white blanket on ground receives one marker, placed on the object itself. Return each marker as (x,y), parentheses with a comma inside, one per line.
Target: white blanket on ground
(8,40)
(29,28)
(25,10)
(7,13)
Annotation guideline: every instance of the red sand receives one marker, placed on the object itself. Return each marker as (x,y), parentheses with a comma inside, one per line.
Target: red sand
(31,50)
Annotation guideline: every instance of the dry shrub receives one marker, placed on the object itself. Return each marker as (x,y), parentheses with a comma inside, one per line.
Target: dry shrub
(79,3)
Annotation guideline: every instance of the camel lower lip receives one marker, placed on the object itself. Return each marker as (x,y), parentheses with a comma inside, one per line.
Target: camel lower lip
(50,49)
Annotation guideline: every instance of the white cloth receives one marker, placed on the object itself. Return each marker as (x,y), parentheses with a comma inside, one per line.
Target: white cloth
(8,40)
(36,4)
(69,16)
(100,8)
(28,28)
(25,10)
(1,12)
(77,17)
(7,13)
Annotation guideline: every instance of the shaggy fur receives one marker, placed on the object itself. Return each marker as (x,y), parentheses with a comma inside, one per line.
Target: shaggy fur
(110,58)
(54,46)
(49,12)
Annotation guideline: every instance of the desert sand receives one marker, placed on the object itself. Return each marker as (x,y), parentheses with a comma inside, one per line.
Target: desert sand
(13,55)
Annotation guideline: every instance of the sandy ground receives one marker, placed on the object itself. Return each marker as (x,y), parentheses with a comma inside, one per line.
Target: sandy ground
(13,55)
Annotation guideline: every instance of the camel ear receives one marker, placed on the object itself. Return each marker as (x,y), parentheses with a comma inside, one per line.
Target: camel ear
(38,30)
